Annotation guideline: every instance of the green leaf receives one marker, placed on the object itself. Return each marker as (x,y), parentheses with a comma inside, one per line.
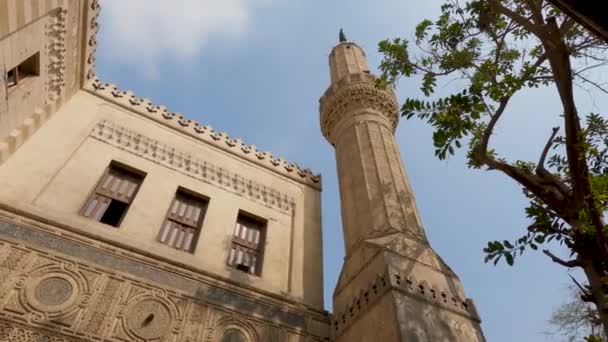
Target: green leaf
(510,259)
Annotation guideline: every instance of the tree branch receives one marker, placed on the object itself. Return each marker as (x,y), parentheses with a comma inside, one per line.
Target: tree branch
(520,20)
(586,295)
(569,263)
(566,25)
(536,11)
(543,156)
(562,188)
(529,181)
(586,80)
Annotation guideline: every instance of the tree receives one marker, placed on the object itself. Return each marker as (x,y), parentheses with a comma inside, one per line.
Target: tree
(577,319)
(495,49)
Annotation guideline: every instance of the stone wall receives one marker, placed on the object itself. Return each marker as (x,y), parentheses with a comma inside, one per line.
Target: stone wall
(49,28)
(68,155)
(65,288)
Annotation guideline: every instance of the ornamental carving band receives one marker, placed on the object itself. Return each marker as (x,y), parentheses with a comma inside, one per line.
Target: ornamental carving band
(338,103)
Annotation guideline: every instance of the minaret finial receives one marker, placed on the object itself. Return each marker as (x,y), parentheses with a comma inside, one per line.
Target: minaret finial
(342,36)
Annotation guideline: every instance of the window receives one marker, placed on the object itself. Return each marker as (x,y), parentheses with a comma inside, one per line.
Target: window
(233,335)
(247,242)
(182,225)
(30,67)
(112,196)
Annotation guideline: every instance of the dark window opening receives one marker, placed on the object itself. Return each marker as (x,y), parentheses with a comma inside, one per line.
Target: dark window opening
(113,195)
(11,78)
(233,335)
(243,268)
(114,213)
(28,68)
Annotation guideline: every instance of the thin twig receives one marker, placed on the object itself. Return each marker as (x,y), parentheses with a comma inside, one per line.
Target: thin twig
(598,86)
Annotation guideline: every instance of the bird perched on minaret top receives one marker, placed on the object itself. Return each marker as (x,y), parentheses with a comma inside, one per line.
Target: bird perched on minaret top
(342,36)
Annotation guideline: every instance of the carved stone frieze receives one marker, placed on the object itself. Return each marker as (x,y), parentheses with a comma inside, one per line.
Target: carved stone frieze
(352,93)
(56,50)
(418,289)
(18,332)
(89,295)
(92,28)
(186,163)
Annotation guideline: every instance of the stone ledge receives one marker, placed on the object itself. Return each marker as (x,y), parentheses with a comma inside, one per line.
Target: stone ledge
(419,290)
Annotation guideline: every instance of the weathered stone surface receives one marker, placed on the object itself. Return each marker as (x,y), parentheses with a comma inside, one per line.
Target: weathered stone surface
(393,286)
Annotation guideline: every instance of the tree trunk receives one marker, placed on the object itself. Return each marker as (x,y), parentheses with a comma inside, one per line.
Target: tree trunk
(594,276)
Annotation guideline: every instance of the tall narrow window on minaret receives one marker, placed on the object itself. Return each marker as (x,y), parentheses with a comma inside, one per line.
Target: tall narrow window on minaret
(113,195)
(184,218)
(247,245)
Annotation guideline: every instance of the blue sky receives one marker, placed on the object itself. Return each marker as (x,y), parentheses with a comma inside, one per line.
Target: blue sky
(256,69)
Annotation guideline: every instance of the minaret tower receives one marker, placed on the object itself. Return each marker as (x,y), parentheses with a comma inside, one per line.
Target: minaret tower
(393,286)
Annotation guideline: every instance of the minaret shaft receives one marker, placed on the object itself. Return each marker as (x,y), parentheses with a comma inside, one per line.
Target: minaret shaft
(372,180)
(393,287)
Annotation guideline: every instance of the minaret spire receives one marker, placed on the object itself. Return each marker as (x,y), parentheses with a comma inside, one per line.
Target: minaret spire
(393,287)
(342,36)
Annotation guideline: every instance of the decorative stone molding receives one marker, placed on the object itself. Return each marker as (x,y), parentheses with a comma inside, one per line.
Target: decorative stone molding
(150,317)
(18,136)
(367,296)
(233,322)
(55,31)
(188,164)
(56,35)
(18,332)
(420,290)
(161,114)
(354,92)
(92,28)
(116,295)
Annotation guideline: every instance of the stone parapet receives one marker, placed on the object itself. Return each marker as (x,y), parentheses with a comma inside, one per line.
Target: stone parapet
(129,100)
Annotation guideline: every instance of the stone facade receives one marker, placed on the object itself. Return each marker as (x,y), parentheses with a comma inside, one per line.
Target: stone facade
(393,286)
(68,277)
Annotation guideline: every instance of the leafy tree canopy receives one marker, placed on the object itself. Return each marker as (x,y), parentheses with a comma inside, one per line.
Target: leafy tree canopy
(495,49)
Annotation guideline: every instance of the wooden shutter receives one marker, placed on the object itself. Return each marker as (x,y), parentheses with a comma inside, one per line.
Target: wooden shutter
(246,245)
(181,228)
(115,185)
(178,236)
(95,207)
(186,210)
(119,185)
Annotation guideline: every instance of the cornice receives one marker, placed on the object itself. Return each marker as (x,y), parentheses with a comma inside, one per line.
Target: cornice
(159,113)
(420,290)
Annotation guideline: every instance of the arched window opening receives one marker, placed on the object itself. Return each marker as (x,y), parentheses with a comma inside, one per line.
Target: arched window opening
(233,335)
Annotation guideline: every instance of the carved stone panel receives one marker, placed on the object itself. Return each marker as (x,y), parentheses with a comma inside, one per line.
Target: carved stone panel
(50,296)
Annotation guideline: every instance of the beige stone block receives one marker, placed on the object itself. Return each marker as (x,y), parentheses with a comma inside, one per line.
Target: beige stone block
(29,128)
(15,139)
(4,152)
(39,117)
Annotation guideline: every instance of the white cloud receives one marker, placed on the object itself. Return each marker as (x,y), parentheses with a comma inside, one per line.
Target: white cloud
(144,33)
